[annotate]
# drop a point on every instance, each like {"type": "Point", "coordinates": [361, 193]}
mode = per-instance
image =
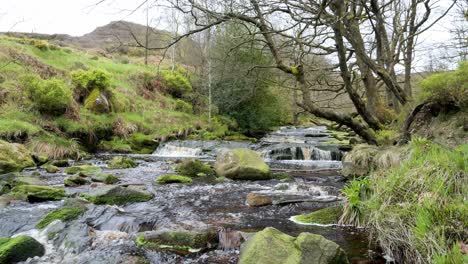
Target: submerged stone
{"type": "Point", "coordinates": [60, 163]}
{"type": "Point", "coordinates": [242, 164]}
{"type": "Point", "coordinates": [193, 168]}
{"type": "Point", "coordinates": [14, 157]}
{"type": "Point", "coordinates": [326, 216]}
{"type": "Point", "coordinates": [83, 170]}
{"type": "Point", "coordinates": [117, 195]}
{"type": "Point", "coordinates": [272, 246]}
{"type": "Point", "coordinates": [105, 178]}
{"type": "Point", "coordinates": [257, 200]}
{"type": "Point", "coordinates": [13, 250]}
{"type": "Point", "coordinates": [120, 162]}
{"type": "Point", "coordinates": [34, 193]}
{"type": "Point", "coordinates": [165, 179]}
{"type": "Point", "coordinates": [74, 181]}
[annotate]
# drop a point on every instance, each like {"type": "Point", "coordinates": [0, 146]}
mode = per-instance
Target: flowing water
{"type": "Point", "coordinates": [106, 234]}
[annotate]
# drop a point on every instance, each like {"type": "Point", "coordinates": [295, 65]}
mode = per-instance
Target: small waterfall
{"type": "Point", "coordinates": [300, 153]}
{"type": "Point", "coordinates": [168, 150]}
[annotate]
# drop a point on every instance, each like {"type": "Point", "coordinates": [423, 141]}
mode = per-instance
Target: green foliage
{"type": "Point", "coordinates": [356, 192]}
{"type": "Point", "coordinates": [176, 84]}
{"type": "Point", "coordinates": [86, 81]}
{"type": "Point", "coordinates": [448, 86]}
{"type": "Point", "coordinates": [40, 44]}
{"type": "Point", "coordinates": [12, 129]}
{"type": "Point", "coordinates": [51, 96]}
{"type": "Point", "coordinates": [165, 179]}
{"type": "Point", "coordinates": [116, 144]}
{"type": "Point", "coordinates": [386, 137]}
{"type": "Point", "coordinates": [63, 214]}
{"type": "Point", "coordinates": [193, 167]}
{"type": "Point", "coordinates": [183, 106]}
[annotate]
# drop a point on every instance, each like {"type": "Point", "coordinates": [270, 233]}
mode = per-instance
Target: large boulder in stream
{"type": "Point", "coordinates": [14, 157]}
{"type": "Point", "coordinates": [35, 193]}
{"type": "Point", "coordinates": [117, 195]}
{"type": "Point", "coordinates": [242, 164]}
{"type": "Point", "coordinates": [271, 246]}
{"type": "Point", "coordinates": [13, 250]}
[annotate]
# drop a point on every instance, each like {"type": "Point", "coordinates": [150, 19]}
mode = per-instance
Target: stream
{"type": "Point", "coordinates": [106, 234]}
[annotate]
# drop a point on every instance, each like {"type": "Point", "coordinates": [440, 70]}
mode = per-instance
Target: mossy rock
{"type": "Point", "coordinates": [360, 161]}
{"type": "Point", "coordinates": [193, 167]}
{"type": "Point", "coordinates": [25, 180]}
{"type": "Point", "coordinates": [283, 177]}
{"type": "Point", "coordinates": [272, 246]}
{"type": "Point", "coordinates": [34, 193]}
{"type": "Point", "coordinates": [242, 164]}
{"type": "Point", "coordinates": [62, 214]}
{"type": "Point", "coordinates": [97, 102]}
{"type": "Point", "coordinates": [83, 170]}
{"type": "Point", "coordinates": [13, 250]}
{"type": "Point", "coordinates": [60, 163]}
{"type": "Point", "coordinates": [326, 216]}
{"type": "Point", "coordinates": [179, 241]}
{"type": "Point", "coordinates": [51, 168]}
{"type": "Point", "coordinates": [165, 179]}
{"type": "Point", "coordinates": [105, 178]}
{"type": "Point", "coordinates": [117, 195]}
{"type": "Point", "coordinates": [74, 181]}
{"type": "Point", "coordinates": [257, 200]}
{"type": "Point", "coordinates": [120, 162]}
{"type": "Point", "coordinates": [14, 157]}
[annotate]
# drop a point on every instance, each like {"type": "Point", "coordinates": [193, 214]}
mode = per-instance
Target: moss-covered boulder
{"type": "Point", "coordinates": [242, 164]}
{"type": "Point", "coordinates": [34, 193]}
{"type": "Point", "coordinates": [14, 157]}
{"type": "Point", "coordinates": [120, 162]}
{"type": "Point", "coordinates": [74, 181]}
{"type": "Point", "coordinates": [272, 246]}
{"type": "Point", "coordinates": [83, 170]}
{"type": "Point", "coordinates": [60, 163]}
{"type": "Point", "coordinates": [98, 102]}
{"type": "Point", "coordinates": [326, 216]}
{"type": "Point", "coordinates": [193, 168]}
{"type": "Point", "coordinates": [25, 180]}
{"type": "Point", "coordinates": [63, 214]}
{"type": "Point", "coordinates": [166, 179]}
{"type": "Point", "coordinates": [51, 168]}
{"type": "Point", "coordinates": [117, 195]}
{"type": "Point", "coordinates": [359, 161]}
{"type": "Point", "coordinates": [105, 178]}
{"type": "Point", "coordinates": [180, 241]}
{"type": "Point", "coordinates": [13, 250]}
{"type": "Point", "coordinates": [256, 200]}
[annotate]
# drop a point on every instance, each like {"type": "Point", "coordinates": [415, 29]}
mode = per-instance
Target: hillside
{"type": "Point", "coordinates": [64, 102]}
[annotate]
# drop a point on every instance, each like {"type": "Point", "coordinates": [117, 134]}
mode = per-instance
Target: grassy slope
{"type": "Point", "coordinates": [139, 119]}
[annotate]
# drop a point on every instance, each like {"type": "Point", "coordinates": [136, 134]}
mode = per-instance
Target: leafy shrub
{"type": "Point", "coordinates": [42, 45]}
{"type": "Point", "coordinates": [448, 86]}
{"type": "Point", "coordinates": [183, 106]}
{"type": "Point", "coordinates": [386, 137]}
{"type": "Point", "coordinates": [12, 129]}
{"type": "Point", "coordinates": [176, 84]}
{"type": "Point", "coordinates": [86, 81]}
{"type": "Point", "coordinates": [51, 96]}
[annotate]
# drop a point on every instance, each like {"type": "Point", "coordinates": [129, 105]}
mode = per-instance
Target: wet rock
{"type": "Point", "coordinates": [120, 162]}
{"type": "Point", "coordinates": [283, 177]}
{"type": "Point", "coordinates": [166, 179]}
{"type": "Point", "coordinates": [60, 163]}
{"type": "Point", "coordinates": [63, 214]}
{"type": "Point", "coordinates": [19, 249]}
{"type": "Point", "coordinates": [24, 180]}
{"type": "Point", "coordinates": [256, 200]}
{"type": "Point", "coordinates": [14, 157]}
{"type": "Point", "coordinates": [83, 170]}
{"type": "Point", "coordinates": [51, 168]}
{"type": "Point", "coordinates": [242, 164]}
{"type": "Point", "coordinates": [193, 167]}
{"type": "Point", "coordinates": [105, 178]}
{"type": "Point", "coordinates": [273, 246]}
{"type": "Point", "coordinates": [97, 101]}
{"type": "Point", "coordinates": [74, 181]}
{"type": "Point", "coordinates": [4, 201]}
{"type": "Point", "coordinates": [34, 193]}
{"type": "Point", "coordinates": [117, 195]}
{"type": "Point", "coordinates": [326, 216]}
{"type": "Point", "coordinates": [179, 241]}
{"type": "Point", "coordinates": [40, 159]}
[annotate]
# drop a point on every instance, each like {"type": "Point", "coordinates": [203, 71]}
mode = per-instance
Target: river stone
{"type": "Point", "coordinates": [51, 168]}
{"type": "Point", "coordinates": [97, 101]}
{"type": "Point", "coordinates": [105, 178]}
{"type": "Point", "coordinates": [272, 246]}
{"type": "Point", "coordinates": [120, 162]}
{"type": "Point", "coordinates": [14, 157]}
{"type": "Point", "coordinates": [242, 164]}
{"type": "Point", "coordinates": [193, 168]}
{"type": "Point", "coordinates": [24, 180]}
{"type": "Point", "coordinates": [256, 200]}
{"type": "Point", "coordinates": [74, 181]}
{"type": "Point", "coordinates": [326, 216]}
{"type": "Point", "coordinates": [34, 193]}
{"type": "Point", "coordinates": [117, 195]}
{"type": "Point", "coordinates": [83, 170]}
{"type": "Point", "coordinates": [19, 249]}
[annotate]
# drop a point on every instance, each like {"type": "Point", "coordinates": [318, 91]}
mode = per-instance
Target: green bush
{"type": "Point", "coordinates": [176, 84]}
{"type": "Point", "coordinates": [448, 86]}
{"type": "Point", "coordinates": [42, 45]}
{"type": "Point", "coordinates": [86, 81]}
{"type": "Point", "coordinates": [183, 106]}
{"type": "Point", "coordinates": [51, 96]}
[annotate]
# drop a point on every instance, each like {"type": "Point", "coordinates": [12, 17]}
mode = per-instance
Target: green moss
{"type": "Point", "coordinates": [74, 180]}
{"type": "Point", "coordinates": [14, 157]}
{"type": "Point", "coordinates": [35, 193]}
{"type": "Point", "coordinates": [242, 164]}
{"type": "Point", "coordinates": [51, 168]}
{"type": "Point", "coordinates": [193, 167]}
{"type": "Point", "coordinates": [165, 179]}
{"type": "Point", "coordinates": [19, 249]}
{"type": "Point", "coordinates": [105, 178]}
{"type": "Point", "coordinates": [120, 162]}
{"type": "Point", "coordinates": [63, 214]}
{"type": "Point", "coordinates": [176, 83]}
{"type": "Point", "coordinates": [283, 177]}
{"type": "Point", "coordinates": [17, 129]}
{"type": "Point", "coordinates": [116, 145]}
{"type": "Point", "coordinates": [116, 195]}
{"type": "Point", "coordinates": [83, 170]}
{"type": "Point", "coordinates": [325, 216]}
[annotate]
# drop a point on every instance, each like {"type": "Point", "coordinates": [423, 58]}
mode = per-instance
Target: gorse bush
{"type": "Point", "coordinates": [176, 84]}
{"type": "Point", "coordinates": [183, 106]}
{"type": "Point", "coordinates": [448, 86]}
{"type": "Point", "coordinates": [51, 96]}
{"type": "Point", "coordinates": [86, 81]}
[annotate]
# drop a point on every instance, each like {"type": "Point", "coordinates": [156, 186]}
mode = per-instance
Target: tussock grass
{"type": "Point", "coordinates": [55, 147]}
